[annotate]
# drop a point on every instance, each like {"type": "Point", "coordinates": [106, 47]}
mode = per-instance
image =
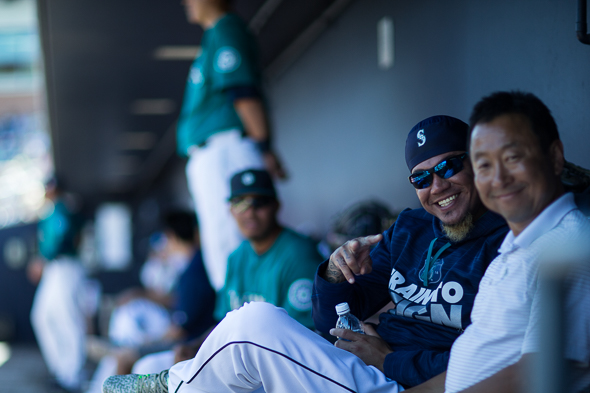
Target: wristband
{"type": "Point", "coordinates": [263, 146]}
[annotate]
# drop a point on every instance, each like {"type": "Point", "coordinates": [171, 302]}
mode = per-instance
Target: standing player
{"type": "Point", "coordinates": [58, 314]}
{"type": "Point", "coordinates": [223, 126]}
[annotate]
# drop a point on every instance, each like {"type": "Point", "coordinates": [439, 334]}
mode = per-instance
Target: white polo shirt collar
{"type": "Point", "coordinates": [543, 223]}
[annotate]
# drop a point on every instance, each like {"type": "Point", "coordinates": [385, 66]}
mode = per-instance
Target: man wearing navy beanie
{"type": "Point", "coordinates": [424, 271]}
{"type": "Point", "coordinates": [442, 175]}
{"type": "Point", "coordinates": [433, 136]}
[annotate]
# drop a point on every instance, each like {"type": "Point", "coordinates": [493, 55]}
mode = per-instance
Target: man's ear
{"type": "Point", "coordinates": [556, 156]}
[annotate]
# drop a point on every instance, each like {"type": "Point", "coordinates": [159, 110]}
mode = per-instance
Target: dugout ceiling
{"type": "Point", "coordinates": [115, 74]}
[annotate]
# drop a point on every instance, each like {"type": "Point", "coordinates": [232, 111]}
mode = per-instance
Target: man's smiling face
{"type": "Point", "coordinates": [450, 200]}
{"type": "Point", "coordinates": [513, 175]}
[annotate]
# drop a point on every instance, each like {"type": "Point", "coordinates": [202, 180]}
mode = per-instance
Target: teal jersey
{"type": "Point", "coordinates": [228, 59]}
{"type": "Point", "coordinates": [56, 233]}
{"type": "Point", "coordinates": [283, 276]}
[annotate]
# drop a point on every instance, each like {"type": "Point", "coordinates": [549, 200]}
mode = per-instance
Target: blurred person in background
{"type": "Point", "coordinates": [61, 307]}
{"type": "Point", "coordinates": [223, 126]}
{"type": "Point", "coordinates": [166, 280]}
{"type": "Point", "coordinates": [157, 317]}
{"type": "Point", "coordinates": [274, 264]}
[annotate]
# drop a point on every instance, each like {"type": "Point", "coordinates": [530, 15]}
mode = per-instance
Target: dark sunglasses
{"type": "Point", "coordinates": [241, 204]}
{"type": "Point", "coordinates": [444, 169]}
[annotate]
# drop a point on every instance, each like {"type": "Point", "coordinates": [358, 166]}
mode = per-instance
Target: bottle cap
{"type": "Point", "coordinates": [342, 308]}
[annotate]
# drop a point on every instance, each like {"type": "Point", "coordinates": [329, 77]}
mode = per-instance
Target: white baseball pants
{"type": "Point", "coordinates": [154, 363]}
{"type": "Point", "coordinates": [209, 171]}
{"type": "Point", "coordinates": [59, 321]}
{"type": "Point", "coordinates": [260, 348]}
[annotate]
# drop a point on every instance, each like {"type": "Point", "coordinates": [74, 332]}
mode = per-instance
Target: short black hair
{"type": "Point", "coordinates": [182, 223]}
{"type": "Point", "coordinates": [55, 182]}
{"type": "Point", "coordinates": [516, 102]}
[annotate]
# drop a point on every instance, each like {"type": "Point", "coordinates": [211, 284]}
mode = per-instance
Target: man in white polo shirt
{"type": "Point", "coordinates": [517, 159]}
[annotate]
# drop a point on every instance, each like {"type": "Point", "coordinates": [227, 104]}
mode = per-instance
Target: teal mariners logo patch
{"type": "Point", "coordinates": [196, 76]}
{"type": "Point", "coordinates": [435, 272]}
{"type": "Point", "coordinates": [227, 59]}
{"type": "Point", "coordinates": [300, 294]}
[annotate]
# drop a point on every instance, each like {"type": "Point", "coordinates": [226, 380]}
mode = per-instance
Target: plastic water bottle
{"type": "Point", "coordinates": [346, 320]}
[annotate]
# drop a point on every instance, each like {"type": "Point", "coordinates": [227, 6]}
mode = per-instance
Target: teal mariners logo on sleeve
{"type": "Point", "coordinates": [227, 59]}
{"type": "Point", "coordinates": [300, 294]}
{"type": "Point", "coordinates": [196, 76]}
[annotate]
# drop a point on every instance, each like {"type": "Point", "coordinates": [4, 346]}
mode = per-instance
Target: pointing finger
{"type": "Point", "coordinates": [351, 260]}
{"type": "Point", "coordinates": [344, 268]}
{"type": "Point", "coordinates": [371, 240]}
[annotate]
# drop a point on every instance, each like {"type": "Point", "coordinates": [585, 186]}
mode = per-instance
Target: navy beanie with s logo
{"type": "Point", "coordinates": [433, 136]}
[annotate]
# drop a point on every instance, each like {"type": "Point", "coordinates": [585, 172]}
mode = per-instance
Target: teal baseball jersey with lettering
{"type": "Point", "coordinates": [228, 59]}
{"type": "Point", "coordinates": [283, 276]}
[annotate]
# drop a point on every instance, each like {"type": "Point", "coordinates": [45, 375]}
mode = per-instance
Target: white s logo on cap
{"type": "Point", "coordinates": [421, 138]}
{"type": "Point", "coordinates": [248, 179]}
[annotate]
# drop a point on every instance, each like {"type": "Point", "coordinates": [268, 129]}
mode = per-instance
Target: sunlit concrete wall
{"type": "Point", "coordinates": [340, 122]}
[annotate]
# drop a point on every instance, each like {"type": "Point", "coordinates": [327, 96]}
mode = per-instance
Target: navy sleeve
{"type": "Point", "coordinates": [196, 299]}
{"type": "Point", "coordinates": [365, 297]}
{"type": "Point", "coordinates": [411, 368]}
{"type": "Point", "coordinates": [324, 298]}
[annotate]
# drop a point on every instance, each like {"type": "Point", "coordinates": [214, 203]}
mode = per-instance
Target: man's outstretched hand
{"type": "Point", "coordinates": [369, 347]}
{"type": "Point", "coordinates": [350, 259]}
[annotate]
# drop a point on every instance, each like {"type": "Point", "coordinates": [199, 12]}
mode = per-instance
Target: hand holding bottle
{"type": "Point", "coordinates": [368, 346]}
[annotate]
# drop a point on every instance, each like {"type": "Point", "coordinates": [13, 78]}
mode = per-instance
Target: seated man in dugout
{"type": "Point", "coordinates": [517, 158]}
{"type": "Point", "coordinates": [274, 264]}
{"type": "Point", "coordinates": [429, 264]}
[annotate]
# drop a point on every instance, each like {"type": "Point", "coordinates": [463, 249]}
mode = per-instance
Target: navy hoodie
{"type": "Point", "coordinates": [426, 319]}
